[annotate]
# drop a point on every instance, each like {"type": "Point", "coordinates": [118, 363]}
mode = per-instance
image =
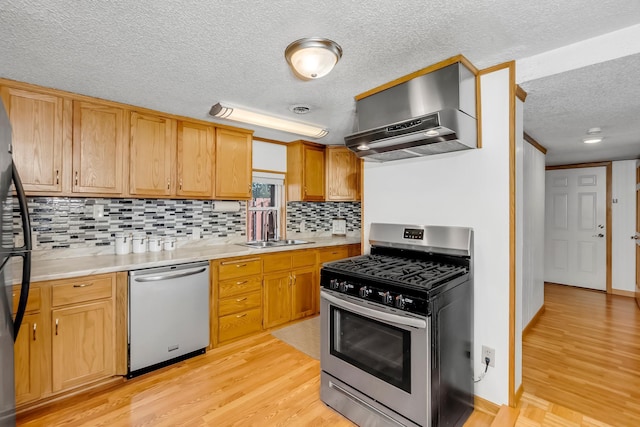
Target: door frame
{"type": "Point", "coordinates": [608, 166]}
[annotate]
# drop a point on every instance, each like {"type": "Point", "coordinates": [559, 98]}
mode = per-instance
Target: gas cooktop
{"type": "Point", "coordinates": [399, 270]}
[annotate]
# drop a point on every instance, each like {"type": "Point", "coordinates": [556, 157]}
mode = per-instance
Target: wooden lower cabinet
{"type": "Point", "coordinates": [236, 299]}
{"type": "Point", "coordinates": [82, 344]}
{"type": "Point", "coordinates": [277, 299]}
{"type": "Point", "coordinates": [303, 293]}
{"type": "Point", "coordinates": [290, 290]}
{"type": "Point", "coordinates": [67, 337]}
{"type": "Point", "coordinates": [29, 350]}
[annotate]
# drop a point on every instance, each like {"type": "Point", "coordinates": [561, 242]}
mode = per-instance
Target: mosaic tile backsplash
{"type": "Point", "coordinates": [62, 222]}
{"type": "Point", "coordinates": [318, 216]}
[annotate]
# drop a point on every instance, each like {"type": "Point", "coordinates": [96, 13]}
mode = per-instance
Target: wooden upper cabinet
{"type": "Point", "coordinates": [233, 164]}
{"type": "Point", "coordinates": [342, 174]}
{"type": "Point", "coordinates": [195, 160]}
{"type": "Point", "coordinates": [98, 148]}
{"type": "Point", "coordinates": [305, 171]}
{"type": "Point", "coordinates": [38, 137]}
{"type": "Point", "coordinates": [152, 155]}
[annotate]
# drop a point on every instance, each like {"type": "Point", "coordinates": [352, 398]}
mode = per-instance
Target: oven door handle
{"type": "Point", "coordinates": [376, 314]}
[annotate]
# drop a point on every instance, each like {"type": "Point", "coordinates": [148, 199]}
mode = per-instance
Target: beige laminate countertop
{"type": "Point", "coordinates": [46, 266]}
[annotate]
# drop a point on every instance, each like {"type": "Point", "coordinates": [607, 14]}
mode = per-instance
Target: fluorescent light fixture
{"type": "Point", "coordinates": [259, 119]}
{"type": "Point", "coordinates": [312, 58]}
{"type": "Point", "coordinates": [592, 140]}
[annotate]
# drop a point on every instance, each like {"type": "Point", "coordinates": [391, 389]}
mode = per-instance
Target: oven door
{"type": "Point", "coordinates": [381, 352]}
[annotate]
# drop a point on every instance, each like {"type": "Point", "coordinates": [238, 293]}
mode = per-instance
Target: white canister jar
{"type": "Point", "coordinates": [155, 244]}
{"type": "Point", "coordinates": [139, 243]}
{"type": "Point", "coordinates": [123, 243]}
{"type": "Point", "coordinates": [169, 243]}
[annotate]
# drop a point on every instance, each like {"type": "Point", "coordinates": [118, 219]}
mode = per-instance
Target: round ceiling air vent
{"type": "Point", "coordinates": [300, 108]}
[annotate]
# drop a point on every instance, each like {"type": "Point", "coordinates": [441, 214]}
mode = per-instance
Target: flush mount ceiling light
{"type": "Point", "coordinates": [259, 119]}
{"type": "Point", "coordinates": [592, 140]}
{"type": "Point", "coordinates": [312, 58]}
{"type": "Point", "coordinates": [594, 136]}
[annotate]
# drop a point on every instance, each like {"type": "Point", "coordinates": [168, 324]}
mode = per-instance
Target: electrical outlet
{"type": "Point", "coordinates": [303, 226]}
{"type": "Point", "coordinates": [490, 353]}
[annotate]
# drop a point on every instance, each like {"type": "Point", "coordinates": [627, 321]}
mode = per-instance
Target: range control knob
{"type": "Point", "coordinates": [364, 292]}
{"type": "Point", "coordinates": [334, 284]}
{"type": "Point", "coordinates": [400, 302]}
{"type": "Point", "coordinates": [387, 298]}
{"type": "Point", "coordinates": [343, 286]}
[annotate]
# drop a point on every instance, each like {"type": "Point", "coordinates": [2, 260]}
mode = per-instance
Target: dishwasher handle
{"type": "Point", "coordinates": [169, 276]}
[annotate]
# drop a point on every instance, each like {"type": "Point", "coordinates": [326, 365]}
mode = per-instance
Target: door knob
{"type": "Point", "coordinates": [598, 235]}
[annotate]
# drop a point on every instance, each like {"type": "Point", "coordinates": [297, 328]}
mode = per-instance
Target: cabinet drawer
{"type": "Point", "coordinates": [33, 302]}
{"type": "Point", "coordinates": [240, 324]}
{"type": "Point", "coordinates": [243, 285]}
{"type": "Point", "coordinates": [304, 259]}
{"type": "Point", "coordinates": [239, 268]}
{"type": "Point", "coordinates": [82, 290]}
{"type": "Point", "coordinates": [239, 303]}
{"type": "Point", "coordinates": [332, 254]}
{"type": "Point", "coordinates": [276, 262]}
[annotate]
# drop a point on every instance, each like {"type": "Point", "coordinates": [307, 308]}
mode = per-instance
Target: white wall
{"type": "Point", "coordinates": [623, 211]}
{"type": "Point", "coordinates": [469, 188]}
{"type": "Point", "coordinates": [268, 156]}
{"type": "Point", "coordinates": [533, 233]}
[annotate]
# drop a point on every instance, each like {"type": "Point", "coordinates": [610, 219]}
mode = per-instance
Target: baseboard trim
{"type": "Point", "coordinates": [506, 417]}
{"type": "Point", "coordinates": [483, 405]}
{"type": "Point", "coordinates": [623, 293]}
{"type": "Point", "coordinates": [532, 323]}
{"type": "Point", "coordinates": [519, 394]}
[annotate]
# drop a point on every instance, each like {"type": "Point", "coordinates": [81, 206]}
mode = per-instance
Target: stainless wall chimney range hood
{"type": "Point", "coordinates": [430, 114]}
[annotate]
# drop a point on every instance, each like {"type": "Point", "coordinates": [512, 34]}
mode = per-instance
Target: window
{"type": "Point", "coordinates": [265, 212]}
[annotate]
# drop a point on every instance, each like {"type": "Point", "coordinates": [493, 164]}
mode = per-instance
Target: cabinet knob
{"type": "Point", "coordinates": [56, 326]}
{"type": "Point", "coordinates": [168, 184]}
{"type": "Point", "coordinates": [57, 177]}
{"type": "Point", "coordinates": [76, 178]}
{"type": "Point", "coordinates": [180, 183]}
{"type": "Point", "coordinates": [34, 331]}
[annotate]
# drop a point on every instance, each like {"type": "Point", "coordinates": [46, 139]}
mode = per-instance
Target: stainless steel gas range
{"type": "Point", "coordinates": [397, 328]}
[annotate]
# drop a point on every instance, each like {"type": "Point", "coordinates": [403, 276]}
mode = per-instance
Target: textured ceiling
{"type": "Point", "coordinates": [560, 109]}
{"type": "Point", "coordinates": [182, 57]}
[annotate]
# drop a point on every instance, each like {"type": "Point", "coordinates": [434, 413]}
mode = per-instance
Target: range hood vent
{"type": "Point", "coordinates": [430, 114]}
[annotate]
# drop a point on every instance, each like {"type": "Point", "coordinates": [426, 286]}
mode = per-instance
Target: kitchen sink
{"type": "Point", "coordinates": [274, 243]}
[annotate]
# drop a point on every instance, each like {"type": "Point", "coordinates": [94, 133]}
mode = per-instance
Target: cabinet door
{"type": "Point", "coordinates": [313, 188]}
{"type": "Point", "coordinates": [342, 174]}
{"type": "Point", "coordinates": [152, 154]}
{"type": "Point", "coordinates": [195, 160]}
{"type": "Point", "coordinates": [98, 144]}
{"type": "Point", "coordinates": [37, 125]}
{"type": "Point", "coordinates": [233, 164]}
{"type": "Point", "coordinates": [83, 344]}
{"type": "Point", "coordinates": [277, 299]}
{"type": "Point", "coordinates": [29, 355]}
{"type": "Point", "coordinates": [303, 293]}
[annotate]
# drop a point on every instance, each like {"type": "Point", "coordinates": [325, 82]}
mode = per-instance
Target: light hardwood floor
{"type": "Point", "coordinates": [584, 354]}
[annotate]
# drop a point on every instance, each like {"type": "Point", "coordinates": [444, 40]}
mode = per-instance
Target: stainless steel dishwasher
{"type": "Point", "coordinates": [168, 315]}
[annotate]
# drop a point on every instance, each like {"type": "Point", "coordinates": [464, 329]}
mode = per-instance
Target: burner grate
{"type": "Point", "coordinates": [402, 270]}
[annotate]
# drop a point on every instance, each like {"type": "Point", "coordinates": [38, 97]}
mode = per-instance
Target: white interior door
{"type": "Point", "coordinates": [575, 227]}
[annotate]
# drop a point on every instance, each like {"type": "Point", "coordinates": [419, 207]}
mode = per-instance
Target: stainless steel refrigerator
{"type": "Point", "coordinates": [9, 326]}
